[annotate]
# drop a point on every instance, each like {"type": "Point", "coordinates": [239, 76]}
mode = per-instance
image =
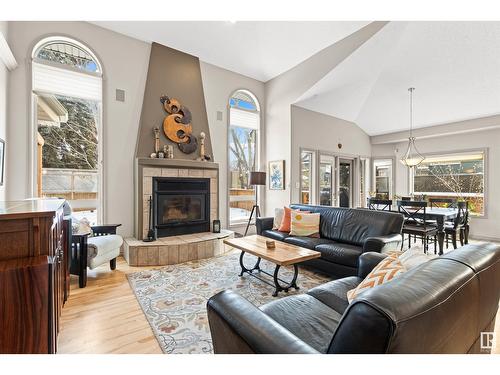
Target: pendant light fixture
{"type": "Point", "coordinates": [412, 157]}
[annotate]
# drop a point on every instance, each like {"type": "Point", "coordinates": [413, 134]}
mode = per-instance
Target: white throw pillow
{"type": "Point", "coordinates": [414, 257]}
{"type": "Point", "coordinates": [278, 217]}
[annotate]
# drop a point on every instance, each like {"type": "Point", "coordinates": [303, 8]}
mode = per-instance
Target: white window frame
{"type": "Point", "coordinates": [392, 183]}
{"type": "Point", "coordinates": [484, 151]}
{"type": "Point", "coordinates": [232, 223]}
{"type": "Point", "coordinates": [313, 180]}
{"type": "Point", "coordinates": [32, 177]}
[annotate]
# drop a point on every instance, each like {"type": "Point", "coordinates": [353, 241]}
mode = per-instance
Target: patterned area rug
{"type": "Point", "coordinates": [174, 298]}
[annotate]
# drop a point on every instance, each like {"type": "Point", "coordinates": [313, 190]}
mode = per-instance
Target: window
{"type": "Point", "coordinates": [243, 143]}
{"type": "Point", "coordinates": [382, 172]}
{"type": "Point", "coordinates": [458, 176]}
{"type": "Point", "coordinates": [66, 52]}
{"type": "Point", "coordinates": [67, 92]}
{"type": "Point", "coordinates": [307, 160]}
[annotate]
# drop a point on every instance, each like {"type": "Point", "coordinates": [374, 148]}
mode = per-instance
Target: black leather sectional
{"type": "Point", "coordinates": [345, 234]}
{"type": "Point", "coordinates": [441, 306]}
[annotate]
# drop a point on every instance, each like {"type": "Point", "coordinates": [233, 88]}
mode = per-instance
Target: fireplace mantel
{"type": "Point", "coordinates": [177, 163]}
{"type": "Point", "coordinates": [147, 168]}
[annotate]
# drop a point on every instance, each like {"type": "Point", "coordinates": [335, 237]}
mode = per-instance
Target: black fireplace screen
{"type": "Point", "coordinates": [175, 208]}
{"type": "Point", "coordinates": [181, 205]}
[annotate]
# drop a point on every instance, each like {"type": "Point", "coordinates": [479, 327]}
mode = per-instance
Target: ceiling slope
{"type": "Point", "coordinates": [257, 49]}
{"type": "Point", "coordinates": [454, 67]}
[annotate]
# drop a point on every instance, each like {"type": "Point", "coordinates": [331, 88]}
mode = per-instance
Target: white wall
{"type": "Point", "coordinates": [286, 89]}
{"type": "Point", "coordinates": [218, 85]}
{"type": "Point", "coordinates": [485, 228]}
{"type": "Point", "coordinates": [317, 131]}
{"type": "Point", "coordinates": [125, 63]}
{"type": "Point", "coordinates": [3, 103]}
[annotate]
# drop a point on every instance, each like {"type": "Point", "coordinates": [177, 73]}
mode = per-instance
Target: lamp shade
{"type": "Point", "coordinates": [257, 178]}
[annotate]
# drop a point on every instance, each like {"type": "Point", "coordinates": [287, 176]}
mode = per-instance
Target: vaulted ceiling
{"type": "Point", "coordinates": [454, 66]}
{"type": "Point", "coordinates": [261, 50]}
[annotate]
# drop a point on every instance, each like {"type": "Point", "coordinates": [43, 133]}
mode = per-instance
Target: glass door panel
{"type": "Point", "coordinates": [345, 182]}
{"type": "Point", "coordinates": [307, 177]}
{"type": "Point", "coordinates": [327, 180]}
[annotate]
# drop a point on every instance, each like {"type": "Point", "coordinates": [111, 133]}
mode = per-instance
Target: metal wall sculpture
{"type": "Point", "coordinates": [177, 125]}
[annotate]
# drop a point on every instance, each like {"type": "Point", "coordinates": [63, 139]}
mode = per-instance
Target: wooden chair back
{"type": "Point", "coordinates": [412, 211]}
{"type": "Point", "coordinates": [379, 204]}
{"type": "Point", "coordinates": [439, 202]}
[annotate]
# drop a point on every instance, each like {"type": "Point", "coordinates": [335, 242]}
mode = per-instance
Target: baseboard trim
{"type": "Point", "coordinates": [485, 238]}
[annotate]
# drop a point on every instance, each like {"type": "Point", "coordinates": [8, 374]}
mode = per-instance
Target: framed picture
{"type": "Point", "coordinates": [2, 160]}
{"type": "Point", "coordinates": [277, 175]}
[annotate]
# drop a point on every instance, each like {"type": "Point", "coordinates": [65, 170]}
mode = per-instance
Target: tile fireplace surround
{"type": "Point", "coordinates": [145, 170]}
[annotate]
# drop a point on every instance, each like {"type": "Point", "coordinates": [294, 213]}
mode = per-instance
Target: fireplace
{"type": "Point", "coordinates": [181, 205]}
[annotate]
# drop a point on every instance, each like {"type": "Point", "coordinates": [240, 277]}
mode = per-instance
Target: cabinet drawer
{"type": "Point", "coordinates": [15, 239]}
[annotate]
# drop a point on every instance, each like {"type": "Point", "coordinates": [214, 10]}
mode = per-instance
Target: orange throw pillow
{"type": "Point", "coordinates": [286, 222]}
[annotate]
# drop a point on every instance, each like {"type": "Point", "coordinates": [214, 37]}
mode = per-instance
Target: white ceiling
{"type": "Point", "coordinates": [261, 50]}
{"type": "Point", "coordinates": [454, 67]}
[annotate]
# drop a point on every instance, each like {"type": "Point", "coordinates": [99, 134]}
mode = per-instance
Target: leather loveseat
{"type": "Point", "coordinates": [441, 306]}
{"type": "Point", "coordinates": [345, 233]}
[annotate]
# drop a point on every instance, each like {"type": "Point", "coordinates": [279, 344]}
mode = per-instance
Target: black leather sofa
{"type": "Point", "coordinates": [345, 233]}
{"type": "Point", "coordinates": [441, 306]}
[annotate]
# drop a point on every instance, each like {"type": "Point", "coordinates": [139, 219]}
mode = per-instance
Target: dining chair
{"type": "Point", "coordinates": [416, 223]}
{"type": "Point", "coordinates": [466, 224]}
{"type": "Point", "coordinates": [457, 227]}
{"type": "Point", "coordinates": [440, 202]}
{"type": "Point", "coordinates": [379, 204]}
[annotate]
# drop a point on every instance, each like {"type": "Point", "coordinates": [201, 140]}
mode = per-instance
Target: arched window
{"type": "Point", "coordinates": [67, 92]}
{"type": "Point", "coordinates": [243, 144]}
{"type": "Point", "coordinates": [66, 52]}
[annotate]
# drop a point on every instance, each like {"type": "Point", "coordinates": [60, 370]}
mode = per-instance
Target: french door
{"type": "Point", "coordinates": [331, 181]}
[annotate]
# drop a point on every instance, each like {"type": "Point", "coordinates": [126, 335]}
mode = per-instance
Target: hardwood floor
{"type": "Point", "coordinates": [105, 317]}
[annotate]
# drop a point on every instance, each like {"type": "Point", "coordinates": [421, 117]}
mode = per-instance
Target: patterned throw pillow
{"type": "Point", "coordinates": [385, 271]}
{"type": "Point", "coordinates": [304, 224]}
{"type": "Point", "coordinates": [287, 219]}
{"type": "Point", "coordinates": [278, 217]}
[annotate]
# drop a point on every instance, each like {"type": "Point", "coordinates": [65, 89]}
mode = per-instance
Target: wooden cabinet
{"type": "Point", "coordinates": [34, 278]}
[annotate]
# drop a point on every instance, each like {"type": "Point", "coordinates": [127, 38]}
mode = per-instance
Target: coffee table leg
{"type": "Point", "coordinates": [244, 269]}
{"type": "Point", "coordinates": [293, 283]}
{"type": "Point", "coordinates": [277, 285]}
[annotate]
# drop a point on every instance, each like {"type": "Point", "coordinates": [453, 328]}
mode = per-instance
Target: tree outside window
{"type": "Point", "coordinates": [453, 176]}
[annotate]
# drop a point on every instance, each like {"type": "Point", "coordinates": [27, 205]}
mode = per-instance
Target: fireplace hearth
{"type": "Point", "coordinates": [181, 205]}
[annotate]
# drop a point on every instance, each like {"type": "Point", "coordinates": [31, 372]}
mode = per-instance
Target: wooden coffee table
{"type": "Point", "coordinates": [283, 255]}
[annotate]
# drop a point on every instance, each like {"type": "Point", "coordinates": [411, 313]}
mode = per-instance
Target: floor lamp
{"type": "Point", "coordinates": [256, 179]}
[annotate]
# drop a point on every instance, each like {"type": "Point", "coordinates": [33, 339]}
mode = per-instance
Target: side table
{"type": "Point", "coordinates": [79, 253]}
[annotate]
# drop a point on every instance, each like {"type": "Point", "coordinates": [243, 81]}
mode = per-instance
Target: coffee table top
{"type": "Point", "coordinates": [284, 254]}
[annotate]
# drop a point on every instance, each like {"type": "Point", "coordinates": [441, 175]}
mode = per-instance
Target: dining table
{"type": "Point", "coordinates": [440, 215]}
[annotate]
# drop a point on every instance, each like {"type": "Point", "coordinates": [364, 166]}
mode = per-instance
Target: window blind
{"type": "Point", "coordinates": [54, 80]}
{"type": "Point", "coordinates": [244, 119]}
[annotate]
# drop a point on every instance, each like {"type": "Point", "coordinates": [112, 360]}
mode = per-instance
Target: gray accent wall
{"type": "Point", "coordinates": [177, 75]}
